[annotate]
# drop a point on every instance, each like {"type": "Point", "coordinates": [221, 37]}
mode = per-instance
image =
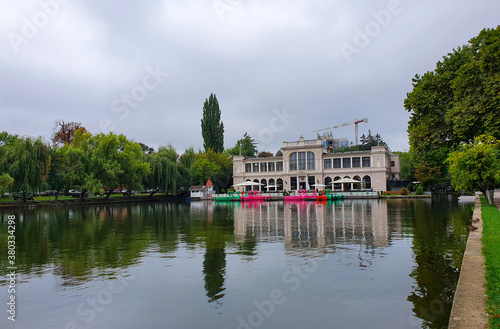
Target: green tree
{"type": "Point", "coordinates": [5, 182]}
{"type": "Point", "coordinates": [212, 128]}
{"type": "Point", "coordinates": [215, 166]}
{"type": "Point", "coordinates": [477, 166]}
{"type": "Point", "coordinates": [248, 147]}
{"type": "Point", "coordinates": [164, 175]}
{"type": "Point", "coordinates": [7, 139]}
{"type": "Point", "coordinates": [103, 160]}
{"type": "Point", "coordinates": [456, 102]}
{"type": "Point", "coordinates": [407, 164]}
{"type": "Point", "coordinates": [186, 161]}
{"type": "Point", "coordinates": [27, 161]}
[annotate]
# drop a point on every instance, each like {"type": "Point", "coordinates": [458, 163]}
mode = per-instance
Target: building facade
{"type": "Point", "coordinates": [307, 163]}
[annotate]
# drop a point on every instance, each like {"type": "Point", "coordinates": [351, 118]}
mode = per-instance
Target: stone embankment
{"type": "Point", "coordinates": [469, 304]}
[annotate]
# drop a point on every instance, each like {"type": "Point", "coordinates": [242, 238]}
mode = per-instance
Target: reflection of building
{"type": "Point", "coordinates": [309, 224]}
{"type": "Point", "coordinates": [308, 162]}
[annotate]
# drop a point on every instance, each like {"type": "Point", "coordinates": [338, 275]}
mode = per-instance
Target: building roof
{"type": "Point", "coordinates": [209, 183]}
{"type": "Point", "coordinates": [196, 188]}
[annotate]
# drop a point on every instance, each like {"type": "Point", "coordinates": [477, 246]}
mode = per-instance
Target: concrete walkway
{"type": "Point", "coordinates": [469, 303]}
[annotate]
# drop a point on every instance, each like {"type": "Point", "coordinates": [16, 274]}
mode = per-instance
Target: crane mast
{"type": "Point", "coordinates": [354, 122]}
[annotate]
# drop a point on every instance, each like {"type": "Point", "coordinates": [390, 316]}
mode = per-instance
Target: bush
{"type": "Point", "coordinates": [404, 191]}
{"type": "Point", "coordinates": [223, 191]}
{"type": "Point", "coordinates": [420, 190]}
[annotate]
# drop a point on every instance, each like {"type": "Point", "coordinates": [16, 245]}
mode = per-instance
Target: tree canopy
{"type": "Point", "coordinates": [212, 128]}
{"type": "Point", "coordinates": [215, 166]}
{"type": "Point", "coordinates": [26, 161]}
{"type": "Point", "coordinates": [455, 103]}
{"type": "Point", "coordinates": [477, 166]}
{"type": "Point", "coordinates": [248, 147]}
{"type": "Point", "coordinates": [64, 132]}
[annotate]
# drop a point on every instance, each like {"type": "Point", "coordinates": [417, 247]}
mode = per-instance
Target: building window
{"type": "Point", "coordinates": [346, 162]}
{"type": "Point", "coordinates": [279, 166]}
{"type": "Point", "coordinates": [327, 164]}
{"type": "Point", "coordinates": [263, 166]}
{"type": "Point", "coordinates": [366, 162]}
{"type": "Point", "coordinates": [255, 167]}
{"type": "Point", "coordinates": [279, 184]}
{"type": "Point", "coordinates": [293, 183]}
{"type": "Point", "coordinates": [337, 163]}
{"type": "Point", "coordinates": [310, 161]}
{"type": "Point", "coordinates": [356, 162]}
{"type": "Point", "coordinates": [293, 161]}
{"type": "Point", "coordinates": [270, 166]}
{"type": "Point", "coordinates": [311, 180]}
{"type": "Point", "coordinates": [302, 160]}
{"type": "Point", "coordinates": [367, 182]}
{"type": "Point", "coordinates": [392, 164]}
{"type": "Point", "coordinates": [248, 167]}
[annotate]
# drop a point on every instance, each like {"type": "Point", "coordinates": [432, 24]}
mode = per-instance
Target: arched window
{"type": "Point", "coordinates": [367, 182]}
{"type": "Point", "coordinates": [263, 186]}
{"type": "Point", "coordinates": [337, 186]}
{"type": "Point", "coordinates": [279, 184]}
{"type": "Point", "coordinates": [256, 186]}
{"type": "Point", "coordinates": [272, 183]}
{"type": "Point", "coordinates": [328, 182]}
{"type": "Point", "coordinates": [357, 186]}
{"type": "Point", "coordinates": [293, 161]}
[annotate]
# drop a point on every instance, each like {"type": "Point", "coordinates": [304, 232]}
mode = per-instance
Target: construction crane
{"type": "Point", "coordinates": [355, 123]}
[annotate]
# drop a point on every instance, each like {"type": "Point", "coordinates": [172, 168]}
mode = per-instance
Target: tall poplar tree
{"type": "Point", "coordinates": [212, 128]}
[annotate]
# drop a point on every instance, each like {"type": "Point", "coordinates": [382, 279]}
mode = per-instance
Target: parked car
{"type": "Point", "coordinates": [48, 193]}
{"type": "Point", "coordinates": [74, 193]}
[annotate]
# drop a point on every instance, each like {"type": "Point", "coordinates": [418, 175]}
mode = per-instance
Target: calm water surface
{"type": "Point", "coordinates": [348, 264]}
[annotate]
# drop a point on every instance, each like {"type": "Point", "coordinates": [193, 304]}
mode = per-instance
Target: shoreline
{"type": "Point", "coordinates": [90, 202]}
{"type": "Point", "coordinates": [162, 198]}
{"type": "Point", "coordinates": [469, 302]}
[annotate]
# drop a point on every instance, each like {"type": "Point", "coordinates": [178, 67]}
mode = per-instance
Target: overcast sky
{"type": "Point", "coordinates": [279, 68]}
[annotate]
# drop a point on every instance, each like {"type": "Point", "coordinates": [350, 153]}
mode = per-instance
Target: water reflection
{"type": "Point", "coordinates": [79, 246]}
{"type": "Point", "coordinates": [361, 224]}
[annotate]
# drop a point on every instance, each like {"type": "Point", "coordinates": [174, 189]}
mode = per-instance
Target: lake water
{"type": "Point", "coordinates": [345, 264]}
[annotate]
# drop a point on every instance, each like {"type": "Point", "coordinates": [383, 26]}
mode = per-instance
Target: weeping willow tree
{"type": "Point", "coordinates": [164, 175]}
{"type": "Point", "coordinates": [27, 161]}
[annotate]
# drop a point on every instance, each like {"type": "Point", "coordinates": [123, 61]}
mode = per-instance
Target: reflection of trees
{"type": "Point", "coordinates": [214, 265]}
{"type": "Point", "coordinates": [437, 270]}
{"type": "Point", "coordinates": [75, 241]}
{"type": "Point", "coordinates": [216, 230]}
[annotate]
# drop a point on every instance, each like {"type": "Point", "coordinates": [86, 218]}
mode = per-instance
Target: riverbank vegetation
{"type": "Point", "coordinates": [451, 106]}
{"type": "Point", "coordinates": [491, 250]}
{"type": "Point", "coordinates": [78, 162]}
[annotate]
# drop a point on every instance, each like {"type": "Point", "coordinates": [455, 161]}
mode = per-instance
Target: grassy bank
{"type": "Point", "coordinates": [491, 250]}
{"type": "Point", "coordinates": [69, 201]}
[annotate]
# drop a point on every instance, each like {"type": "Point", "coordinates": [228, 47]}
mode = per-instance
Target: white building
{"type": "Point", "coordinates": [202, 191]}
{"type": "Point", "coordinates": [307, 162]}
